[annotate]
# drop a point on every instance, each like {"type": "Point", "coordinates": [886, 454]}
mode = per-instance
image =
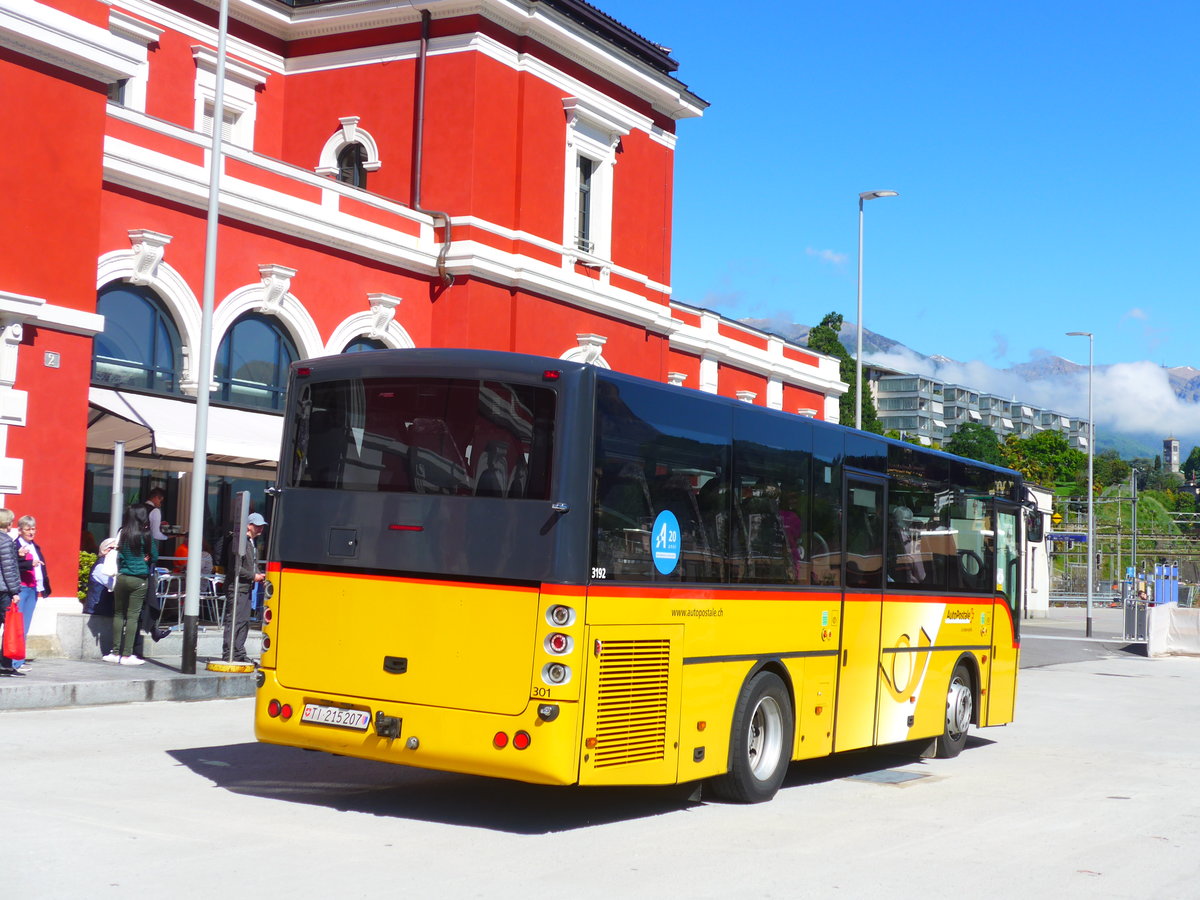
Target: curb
{"type": "Point", "coordinates": [64, 693]}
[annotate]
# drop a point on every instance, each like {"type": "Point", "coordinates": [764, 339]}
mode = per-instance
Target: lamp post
{"type": "Point", "coordinates": [199, 494]}
{"type": "Point", "coordinates": [1091, 476]}
{"type": "Point", "coordinates": [862, 198]}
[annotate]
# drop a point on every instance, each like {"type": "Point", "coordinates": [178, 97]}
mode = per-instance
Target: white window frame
{"type": "Point", "coordinates": [349, 133]}
{"type": "Point", "coordinates": [241, 84]}
{"type": "Point", "coordinates": [593, 133]}
{"type": "Point", "coordinates": [138, 35]}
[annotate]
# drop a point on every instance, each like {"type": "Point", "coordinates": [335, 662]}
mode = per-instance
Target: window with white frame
{"type": "Point", "coordinates": [241, 84]}
{"type": "Point", "coordinates": [593, 137]}
{"type": "Point", "coordinates": [349, 154]}
{"type": "Point", "coordinates": [131, 92]}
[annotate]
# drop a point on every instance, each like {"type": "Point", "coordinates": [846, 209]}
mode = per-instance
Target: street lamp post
{"type": "Point", "coordinates": [1091, 474]}
{"type": "Point", "coordinates": [862, 198]}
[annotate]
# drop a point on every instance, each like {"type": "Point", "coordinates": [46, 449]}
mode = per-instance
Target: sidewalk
{"type": "Point", "coordinates": [1070, 622]}
{"type": "Point", "coordinates": [90, 682]}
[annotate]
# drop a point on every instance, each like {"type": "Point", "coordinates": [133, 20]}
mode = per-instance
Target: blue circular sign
{"type": "Point", "coordinates": [664, 542]}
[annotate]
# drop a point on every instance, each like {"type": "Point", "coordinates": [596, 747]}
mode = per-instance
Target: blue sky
{"type": "Point", "coordinates": [1044, 154]}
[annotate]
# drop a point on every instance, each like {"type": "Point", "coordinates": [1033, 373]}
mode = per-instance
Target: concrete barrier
{"type": "Point", "coordinates": [1171, 631]}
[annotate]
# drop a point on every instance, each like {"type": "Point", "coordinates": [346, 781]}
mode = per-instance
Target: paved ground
{"type": "Point", "coordinates": [1090, 794]}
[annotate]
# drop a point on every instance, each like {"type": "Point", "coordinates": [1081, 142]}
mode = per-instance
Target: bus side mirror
{"type": "Point", "coordinates": [1035, 526]}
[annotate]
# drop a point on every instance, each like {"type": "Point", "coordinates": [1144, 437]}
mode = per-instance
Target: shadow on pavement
{"type": "Point", "coordinates": [382, 789]}
{"type": "Point", "coordinates": [876, 764]}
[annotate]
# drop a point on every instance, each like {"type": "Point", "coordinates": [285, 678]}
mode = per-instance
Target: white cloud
{"type": "Point", "coordinates": [1127, 398]}
{"type": "Point", "coordinates": [1137, 313]}
{"type": "Point", "coordinates": [829, 256]}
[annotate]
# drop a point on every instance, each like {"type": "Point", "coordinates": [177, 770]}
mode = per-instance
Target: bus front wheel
{"type": "Point", "coordinates": [760, 745]}
{"type": "Point", "coordinates": [960, 706]}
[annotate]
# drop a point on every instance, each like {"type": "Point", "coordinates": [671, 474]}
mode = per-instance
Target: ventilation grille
{"type": "Point", "coordinates": [631, 714]}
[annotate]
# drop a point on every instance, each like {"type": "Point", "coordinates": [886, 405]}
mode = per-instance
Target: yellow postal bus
{"type": "Point", "coordinates": [528, 568]}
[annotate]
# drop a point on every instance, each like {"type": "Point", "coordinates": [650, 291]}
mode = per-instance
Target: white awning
{"type": "Point", "coordinates": [1007, 423]}
{"type": "Point", "coordinates": [974, 414]}
{"type": "Point", "coordinates": [166, 426]}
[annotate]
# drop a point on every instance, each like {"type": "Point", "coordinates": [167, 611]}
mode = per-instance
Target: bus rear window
{"type": "Point", "coordinates": [424, 435]}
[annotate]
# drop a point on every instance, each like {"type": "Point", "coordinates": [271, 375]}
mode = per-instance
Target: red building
{"type": "Point", "coordinates": [482, 173]}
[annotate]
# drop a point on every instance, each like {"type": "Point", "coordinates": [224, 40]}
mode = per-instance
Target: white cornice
{"type": "Point", "coordinates": [599, 103]}
{"type": "Point", "coordinates": [36, 311]}
{"type": "Point", "coordinates": [127, 26]}
{"type": "Point", "coordinates": [703, 341]}
{"type": "Point", "coordinates": [63, 40]}
{"type": "Point", "coordinates": [250, 76]}
{"type": "Point", "coordinates": [523, 19]}
{"type": "Point", "coordinates": [193, 30]}
{"type": "Point", "coordinates": [526, 237]}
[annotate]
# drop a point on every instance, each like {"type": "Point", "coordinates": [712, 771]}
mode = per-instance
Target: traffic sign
{"type": "Point", "coordinates": [1067, 537]}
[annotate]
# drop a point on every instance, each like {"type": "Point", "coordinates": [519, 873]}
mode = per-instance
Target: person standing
{"type": "Point", "coordinates": [35, 582]}
{"type": "Point", "coordinates": [137, 555]}
{"type": "Point", "coordinates": [153, 504]}
{"type": "Point", "coordinates": [10, 583]}
{"type": "Point", "coordinates": [241, 573]}
{"type": "Point", "coordinates": [152, 606]}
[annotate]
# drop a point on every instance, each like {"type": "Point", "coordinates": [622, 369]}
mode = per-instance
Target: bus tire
{"type": "Point", "coordinates": [760, 745]}
{"type": "Point", "coordinates": [960, 708]}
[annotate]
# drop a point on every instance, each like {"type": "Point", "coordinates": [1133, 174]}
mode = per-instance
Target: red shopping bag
{"type": "Point", "coordinates": [14, 633]}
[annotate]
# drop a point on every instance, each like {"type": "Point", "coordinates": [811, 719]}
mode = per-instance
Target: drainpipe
{"type": "Point", "coordinates": [418, 155]}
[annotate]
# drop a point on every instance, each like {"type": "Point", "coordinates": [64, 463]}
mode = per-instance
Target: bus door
{"type": "Point", "coordinates": [1006, 620]}
{"type": "Point", "coordinates": [863, 508]}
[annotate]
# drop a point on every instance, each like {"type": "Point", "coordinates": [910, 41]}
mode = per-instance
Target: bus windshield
{"type": "Point", "coordinates": [424, 435]}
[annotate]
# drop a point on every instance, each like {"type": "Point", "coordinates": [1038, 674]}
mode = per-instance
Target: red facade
{"type": "Point", "coordinates": [547, 139]}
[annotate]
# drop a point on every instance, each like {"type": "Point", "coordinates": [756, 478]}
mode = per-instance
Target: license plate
{"type": "Point", "coordinates": [358, 719]}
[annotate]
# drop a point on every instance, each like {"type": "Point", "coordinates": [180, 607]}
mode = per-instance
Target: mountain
{"type": "Point", "coordinates": [1049, 382]}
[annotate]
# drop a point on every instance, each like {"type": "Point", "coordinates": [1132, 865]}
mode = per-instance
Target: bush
{"type": "Point", "coordinates": [86, 561]}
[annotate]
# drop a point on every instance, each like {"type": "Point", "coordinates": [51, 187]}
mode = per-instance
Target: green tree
{"type": "Point", "coordinates": [976, 441]}
{"type": "Point", "coordinates": [1110, 469]}
{"type": "Point", "coordinates": [824, 338]}
{"type": "Point", "coordinates": [1046, 458]}
{"type": "Point", "coordinates": [1192, 464]}
{"type": "Point", "coordinates": [1171, 500]}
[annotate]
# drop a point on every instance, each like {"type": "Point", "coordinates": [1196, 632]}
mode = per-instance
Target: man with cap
{"type": "Point", "coordinates": [241, 573]}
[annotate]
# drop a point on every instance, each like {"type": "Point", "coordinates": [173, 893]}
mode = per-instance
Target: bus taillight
{"type": "Point", "coordinates": [556, 673]}
{"type": "Point", "coordinates": [558, 643]}
{"type": "Point", "coordinates": [521, 740]}
{"type": "Point", "coordinates": [560, 616]}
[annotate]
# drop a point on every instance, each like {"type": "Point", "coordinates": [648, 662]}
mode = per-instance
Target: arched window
{"type": "Point", "coordinates": [351, 160]}
{"type": "Point", "coordinates": [361, 344]}
{"type": "Point", "coordinates": [139, 347]}
{"type": "Point", "coordinates": [252, 363]}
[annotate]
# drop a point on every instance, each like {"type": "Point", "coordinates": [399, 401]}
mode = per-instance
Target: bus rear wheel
{"type": "Point", "coordinates": [760, 745]}
{"type": "Point", "coordinates": [960, 708]}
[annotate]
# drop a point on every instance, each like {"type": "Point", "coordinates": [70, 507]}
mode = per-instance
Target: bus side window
{"type": "Point", "coordinates": [622, 521]}
{"type": "Point", "coordinates": [676, 493]}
